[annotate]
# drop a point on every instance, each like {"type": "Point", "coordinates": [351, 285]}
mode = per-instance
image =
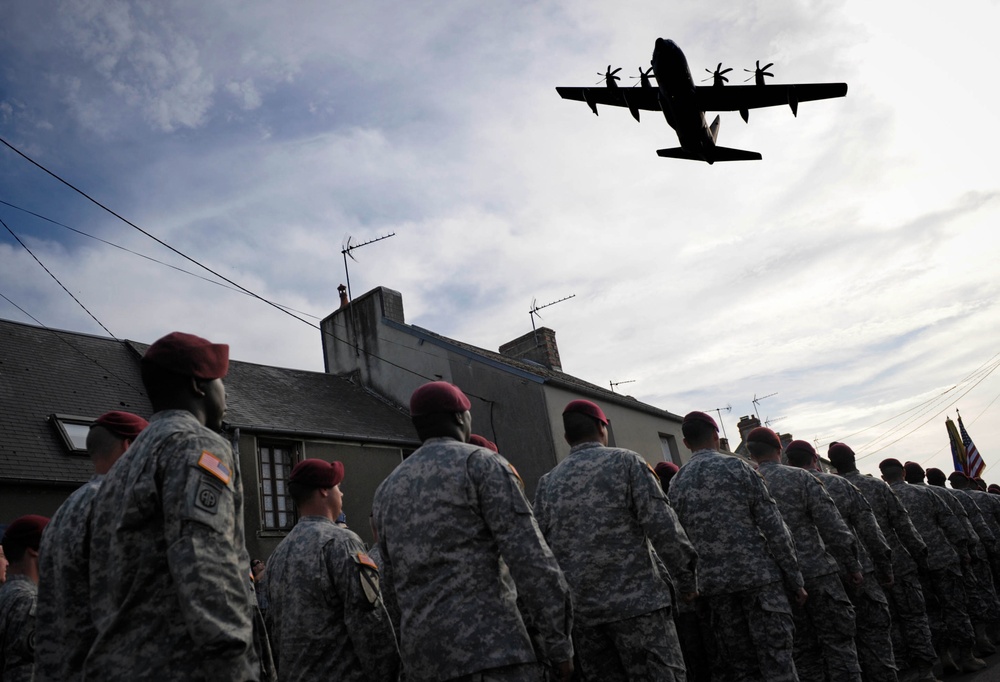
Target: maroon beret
{"type": "Point", "coordinates": [839, 450]}
{"type": "Point", "coordinates": [913, 472]}
{"type": "Point", "coordinates": [764, 435]}
{"type": "Point", "coordinates": [800, 446]}
{"type": "Point", "coordinates": [935, 476]}
{"type": "Point", "coordinates": [189, 355]}
{"type": "Point", "coordinates": [438, 396]}
{"type": "Point", "coordinates": [994, 488]}
{"type": "Point", "coordinates": [958, 475]}
{"type": "Point", "coordinates": [887, 463]}
{"type": "Point", "coordinates": [476, 439]}
{"type": "Point", "coordinates": [317, 473]}
{"type": "Point", "coordinates": [125, 425]}
{"type": "Point", "coordinates": [24, 532]}
{"type": "Point", "coordinates": [666, 470]}
{"type": "Point", "coordinates": [586, 407]}
{"type": "Point", "coordinates": [701, 417]}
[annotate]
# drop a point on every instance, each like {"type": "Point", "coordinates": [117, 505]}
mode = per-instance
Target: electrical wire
{"type": "Point", "coordinates": [78, 302]}
{"type": "Point", "coordinates": [60, 336]}
{"type": "Point", "coordinates": [208, 269]}
{"type": "Point", "coordinates": [142, 255]}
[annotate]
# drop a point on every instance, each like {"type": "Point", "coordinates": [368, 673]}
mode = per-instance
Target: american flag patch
{"type": "Point", "coordinates": [366, 560]}
{"type": "Point", "coordinates": [214, 466]}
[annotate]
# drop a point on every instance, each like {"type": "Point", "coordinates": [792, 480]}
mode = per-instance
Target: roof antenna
{"type": "Point", "coordinates": [756, 403]}
{"type": "Point", "coordinates": [534, 311]}
{"type": "Point", "coordinates": [346, 251]}
{"type": "Point", "coordinates": [619, 383]}
{"type": "Point", "coordinates": [728, 408]}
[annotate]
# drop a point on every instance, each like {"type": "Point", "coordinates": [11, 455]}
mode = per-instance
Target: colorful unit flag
{"type": "Point", "coordinates": [973, 462]}
{"type": "Point", "coordinates": [958, 455]}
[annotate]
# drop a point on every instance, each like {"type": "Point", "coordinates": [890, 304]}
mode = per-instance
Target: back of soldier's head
{"type": "Point", "coordinates": [842, 457]}
{"type": "Point", "coordinates": [699, 430]}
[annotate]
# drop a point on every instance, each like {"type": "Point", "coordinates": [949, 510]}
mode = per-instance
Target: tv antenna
{"type": "Point", "coordinates": [756, 402]}
{"type": "Point", "coordinates": [769, 421]}
{"type": "Point", "coordinates": [346, 251]}
{"type": "Point", "coordinates": [728, 408]}
{"type": "Point", "coordinates": [619, 383]}
{"type": "Point", "coordinates": [535, 308]}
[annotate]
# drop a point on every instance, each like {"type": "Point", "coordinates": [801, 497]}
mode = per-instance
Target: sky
{"type": "Point", "coordinates": [848, 276]}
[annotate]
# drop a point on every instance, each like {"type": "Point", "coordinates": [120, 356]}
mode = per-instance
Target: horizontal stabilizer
{"type": "Point", "coordinates": [716, 154]}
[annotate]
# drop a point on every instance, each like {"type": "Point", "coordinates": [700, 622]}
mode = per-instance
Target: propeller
{"type": "Point", "coordinates": [643, 77]}
{"type": "Point", "coordinates": [718, 76]}
{"type": "Point", "coordinates": [759, 73]}
{"type": "Point", "coordinates": [609, 78]}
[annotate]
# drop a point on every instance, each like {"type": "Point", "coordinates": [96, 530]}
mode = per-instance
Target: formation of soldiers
{"type": "Point", "coordinates": [722, 569]}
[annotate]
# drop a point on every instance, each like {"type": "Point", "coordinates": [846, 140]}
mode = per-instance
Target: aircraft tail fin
{"type": "Point", "coordinates": [714, 128]}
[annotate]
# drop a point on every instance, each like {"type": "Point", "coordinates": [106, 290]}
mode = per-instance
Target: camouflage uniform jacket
{"type": "Point", "coordinates": [169, 592]}
{"type": "Point", "coordinates": [734, 524]}
{"type": "Point", "coordinates": [966, 538]}
{"type": "Point", "coordinates": [819, 531]}
{"type": "Point", "coordinates": [989, 504]}
{"type": "Point", "coordinates": [977, 517]}
{"type": "Point", "coordinates": [935, 522]}
{"type": "Point", "coordinates": [600, 510]}
{"type": "Point", "coordinates": [451, 519]}
{"type": "Point", "coordinates": [895, 522]}
{"type": "Point", "coordinates": [857, 513]}
{"type": "Point", "coordinates": [17, 628]}
{"type": "Point", "coordinates": [65, 631]}
{"type": "Point", "coordinates": [325, 609]}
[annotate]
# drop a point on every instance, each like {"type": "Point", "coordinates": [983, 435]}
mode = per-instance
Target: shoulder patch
{"type": "Point", "coordinates": [214, 466]}
{"type": "Point", "coordinates": [516, 475]}
{"type": "Point", "coordinates": [365, 560]}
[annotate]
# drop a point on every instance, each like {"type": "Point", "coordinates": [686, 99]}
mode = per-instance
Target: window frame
{"type": "Point", "coordinates": [61, 421]}
{"type": "Point", "coordinates": [274, 488]}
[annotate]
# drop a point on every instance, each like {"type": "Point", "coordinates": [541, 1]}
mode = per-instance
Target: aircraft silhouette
{"type": "Point", "coordinates": [684, 104]}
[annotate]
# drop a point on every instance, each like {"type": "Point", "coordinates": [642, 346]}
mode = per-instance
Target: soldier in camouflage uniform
{"type": "Point", "coordinates": [943, 588]}
{"type": "Point", "coordinates": [990, 506]}
{"type": "Point", "coordinates": [746, 559]}
{"type": "Point", "coordinates": [825, 626]}
{"type": "Point", "coordinates": [327, 620]}
{"type": "Point", "coordinates": [871, 607]}
{"type": "Point", "coordinates": [913, 647]}
{"type": "Point", "coordinates": [18, 596]}
{"type": "Point", "coordinates": [65, 631]}
{"type": "Point", "coordinates": [622, 625]}
{"type": "Point", "coordinates": [459, 546]}
{"type": "Point", "coordinates": [170, 593]}
{"type": "Point", "coordinates": [984, 607]}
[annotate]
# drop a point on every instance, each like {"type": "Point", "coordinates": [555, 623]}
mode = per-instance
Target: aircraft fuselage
{"type": "Point", "coordinates": [677, 99]}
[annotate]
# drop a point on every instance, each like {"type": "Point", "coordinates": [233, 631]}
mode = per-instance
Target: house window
{"type": "Point", "coordinates": [670, 451]}
{"type": "Point", "coordinates": [276, 462]}
{"type": "Point", "coordinates": [73, 431]}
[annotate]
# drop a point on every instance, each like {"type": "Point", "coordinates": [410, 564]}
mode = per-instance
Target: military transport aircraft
{"type": "Point", "coordinates": [684, 104]}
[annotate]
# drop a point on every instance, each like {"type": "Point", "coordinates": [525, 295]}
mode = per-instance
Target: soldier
{"type": "Point", "coordinates": [946, 598]}
{"type": "Point", "coordinates": [983, 605]}
{"type": "Point", "coordinates": [3, 567]}
{"type": "Point", "coordinates": [170, 594]}
{"type": "Point", "coordinates": [21, 542]}
{"type": "Point", "coordinates": [906, 598]}
{"type": "Point", "coordinates": [622, 625]}
{"type": "Point", "coordinates": [871, 607]}
{"type": "Point", "coordinates": [459, 546]}
{"type": "Point", "coordinates": [65, 630]}
{"type": "Point", "coordinates": [827, 618]}
{"type": "Point", "coordinates": [666, 471]}
{"type": "Point", "coordinates": [323, 590]}
{"type": "Point", "coordinates": [746, 557]}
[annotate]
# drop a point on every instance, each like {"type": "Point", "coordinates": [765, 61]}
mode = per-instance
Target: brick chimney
{"type": "Point", "coordinates": [343, 297]}
{"type": "Point", "coordinates": [538, 346]}
{"type": "Point", "coordinates": [746, 425]}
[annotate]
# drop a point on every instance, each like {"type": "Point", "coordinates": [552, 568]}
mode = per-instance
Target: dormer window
{"type": "Point", "coordinates": [73, 431]}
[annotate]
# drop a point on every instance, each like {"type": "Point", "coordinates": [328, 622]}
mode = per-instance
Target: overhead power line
{"type": "Point", "coordinates": [219, 275]}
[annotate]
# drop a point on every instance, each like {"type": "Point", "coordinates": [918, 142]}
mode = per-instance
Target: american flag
{"type": "Point", "coordinates": [974, 465]}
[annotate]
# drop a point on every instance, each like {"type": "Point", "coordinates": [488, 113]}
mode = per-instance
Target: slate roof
{"type": "Point", "coordinates": [45, 372]}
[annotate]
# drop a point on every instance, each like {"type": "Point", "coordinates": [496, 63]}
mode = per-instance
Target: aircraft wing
{"type": "Point", "coordinates": [632, 98]}
{"type": "Point", "coordinates": [743, 97]}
